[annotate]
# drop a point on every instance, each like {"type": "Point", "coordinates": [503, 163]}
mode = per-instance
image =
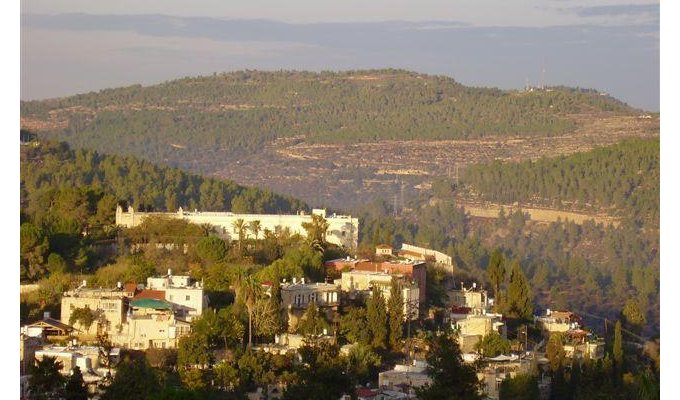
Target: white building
{"type": "Point", "coordinates": [343, 230]}
{"type": "Point", "coordinates": [183, 292]}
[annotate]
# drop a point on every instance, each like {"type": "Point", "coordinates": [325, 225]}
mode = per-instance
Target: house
{"type": "Point", "coordinates": [472, 297]}
{"type": "Point", "coordinates": [423, 254]}
{"type": "Point", "coordinates": [48, 328]}
{"type": "Point", "coordinates": [413, 270]}
{"type": "Point", "coordinates": [475, 327]}
{"type": "Point", "coordinates": [108, 305]}
{"type": "Point", "coordinates": [150, 323]}
{"type": "Point", "coordinates": [298, 295]}
{"type": "Point", "coordinates": [557, 321]}
{"type": "Point", "coordinates": [185, 293]}
{"type": "Point", "coordinates": [404, 376]}
{"type": "Point", "coordinates": [360, 283]}
{"type": "Point", "coordinates": [579, 343]}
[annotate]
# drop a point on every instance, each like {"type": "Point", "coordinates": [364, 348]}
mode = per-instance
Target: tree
{"type": "Point", "coordinates": [521, 387]}
{"type": "Point", "coordinates": [84, 316]}
{"type": "Point", "coordinates": [376, 317]}
{"type": "Point", "coordinates": [46, 381]}
{"type": "Point", "coordinates": [496, 273]}
{"type": "Point", "coordinates": [248, 291]}
{"type": "Point", "coordinates": [395, 307]}
{"type": "Point", "coordinates": [519, 304]}
{"type": "Point", "coordinates": [633, 317]}
{"type": "Point", "coordinates": [451, 377]}
{"type": "Point", "coordinates": [354, 327]}
{"type": "Point", "coordinates": [363, 363]}
{"type": "Point", "coordinates": [104, 347]}
{"type": "Point", "coordinates": [255, 227]}
{"type": "Point", "coordinates": [193, 351]}
{"type": "Point", "coordinates": [312, 322]}
{"type": "Point", "coordinates": [240, 227]}
{"type": "Point", "coordinates": [493, 344]}
{"type": "Point", "coordinates": [618, 346]}
{"type": "Point", "coordinates": [211, 249]}
{"type": "Point", "coordinates": [134, 380]}
{"type": "Point", "coordinates": [555, 351]}
{"type": "Point", "coordinates": [316, 230]}
{"type": "Point", "coordinates": [75, 388]}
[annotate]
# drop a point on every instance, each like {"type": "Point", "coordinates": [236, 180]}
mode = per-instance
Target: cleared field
{"type": "Point", "coordinates": [536, 214]}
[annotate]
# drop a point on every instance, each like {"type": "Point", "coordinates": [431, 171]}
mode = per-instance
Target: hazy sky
{"type": "Point", "coordinates": [607, 45]}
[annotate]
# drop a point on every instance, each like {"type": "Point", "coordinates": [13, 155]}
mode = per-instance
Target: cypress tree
{"type": "Point", "coordinates": [376, 316]}
{"type": "Point", "coordinates": [396, 314]}
{"type": "Point", "coordinates": [519, 303]}
{"type": "Point", "coordinates": [618, 345]}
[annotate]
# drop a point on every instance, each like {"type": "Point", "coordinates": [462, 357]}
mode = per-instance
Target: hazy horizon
{"type": "Point", "coordinates": [614, 50]}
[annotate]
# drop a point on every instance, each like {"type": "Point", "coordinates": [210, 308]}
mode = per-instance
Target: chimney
{"type": "Point", "coordinates": [169, 272]}
{"type": "Point", "coordinates": [84, 283]}
{"type": "Point", "coordinates": [119, 285]}
{"type": "Point", "coordinates": [46, 315]}
{"type": "Point", "coordinates": [547, 312]}
{"type": "Point", "coordinates": [474, 285]}
{"type": "Point", "coordinates": [294, 280]}
{"type": "Point", "coordinates": [461, 286]}
{"type": "Point", "coordinates": [302, 280]}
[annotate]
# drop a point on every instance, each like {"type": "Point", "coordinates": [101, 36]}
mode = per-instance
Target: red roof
{"type": "Point", "coordinates": [366, 392]}
{"type": "Point", "coordinates": [130, 287]}
{"type": "Point", "coordinates": [150, 294]}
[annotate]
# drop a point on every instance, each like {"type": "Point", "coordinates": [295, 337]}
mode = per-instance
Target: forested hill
{"type": "Point", "coordinates": [623, 179]}
{"type": "Point", "coordinates": [201, 123]}
{"type": "Point", "coordinates": [57, 181]}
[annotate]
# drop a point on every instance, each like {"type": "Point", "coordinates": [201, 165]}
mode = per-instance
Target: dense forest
{"type": "Point", "coordinates": [69, 197]}
{"type": "Point", "coordinates": [624, 178]}
{"type": "Point", "coordinates": [203, 121]}
{"type": "Point", "coordinates": [590, 268]}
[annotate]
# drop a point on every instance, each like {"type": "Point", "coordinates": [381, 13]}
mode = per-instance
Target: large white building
{"type": "Point", "coordinates": [343, 230]}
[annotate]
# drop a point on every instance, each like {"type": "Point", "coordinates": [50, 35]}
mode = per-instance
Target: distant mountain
{"type": "Point", "coordinates": [206, 123]}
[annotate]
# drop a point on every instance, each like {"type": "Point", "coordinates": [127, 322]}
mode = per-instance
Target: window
{"type": "Point", "coordinates": [170, 297]}
{"type": "Point", "coordinates": [188, 298]}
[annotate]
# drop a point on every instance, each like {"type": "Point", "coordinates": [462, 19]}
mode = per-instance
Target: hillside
{"type": "Point", "coordinates": [333, 139]}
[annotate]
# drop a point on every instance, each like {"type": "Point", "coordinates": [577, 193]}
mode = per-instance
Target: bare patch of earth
{"type": "Point", "coordinates": [346, 176]}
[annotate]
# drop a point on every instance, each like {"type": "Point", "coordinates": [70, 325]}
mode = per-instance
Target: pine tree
{"type": "Point", "coordinates": [618, 345]}
{"type": "Point", "coordinates": [496, 272]}
{"type": "Point", "coordinates": [75, 386]}
{"type": "Point", "coordinates": [396, 315]}
{"type": "Point", "coordinates": [451, 377]}
{"type": "Point", "coordinates": [376, 316]}
{"type": "Point", "coordinates": [519, 303]}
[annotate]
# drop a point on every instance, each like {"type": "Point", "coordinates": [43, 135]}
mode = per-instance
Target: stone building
{"type": "Point", "coordinates": [343, 230]}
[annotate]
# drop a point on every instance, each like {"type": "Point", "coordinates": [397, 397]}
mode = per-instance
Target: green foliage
{"type": "Point", "coordinates": [84, 316]}
{"type": "Point", "coordinates": [618, 345]}
{"type": "Point", "coordinates": [395, 308]}
{"type": "Point", "coordinates": [134, 380]}
{"type": "Point", "coordinates": [435, 280]}
{"type": "Point", "coordinates": [354, 326]}
{"type": "Point", "coordinates": [322, 375]}
{"type": "Point", "coordinates": [220, 328]}
{"type": "Point", "coordinates": [46, 381]}
{"type": "Point", "coordinates": [493, 345]}
{"type": "Point", "coordinates": [519, 299]}
{"type": "Point", "coordinates": [211, 249]}
{"type": "Point", "coordinates": [554, 351]}
{"type": "Point", "coordinates": [521, 387]}
{"type": "Point", "coordinates": [203, 118]}
{"type": "Point", "coordinates": [451, 377]}
{"type": "Point", "coordinates": [313, 322]}
{"type": "Point", "coordinates": [363, 363]}
{"type": "Point", "coordinates": [376, 318]}
{"type": "Point", "coordinates": [624, 176]}
{"type": "Point", "coordinates": [496, 273]}
{"type": "Point", "coordinates": [193, 350]}
{"type": "Point", "coordinates": [75, 388]}
{"type": "Point", "coordinates": [633, 317]}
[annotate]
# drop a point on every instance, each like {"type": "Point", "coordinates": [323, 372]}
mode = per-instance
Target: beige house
{"type": "Point", "coordinates": [150, 324]}
{"type": "Point", "coordinates": [362, 282]}
{"type": "Point", "coordinates": [298, 295]}
{"type": "Point", "coordinates": [109, 305]}
{"type": "Point", "coordinates": [472, 297]}
{"type": "Point", "coordinates": [411, 375]}
{"type": "Point", "coordinates": [475, 327]}
{"type": "Point", "coordinates": [557, 321]}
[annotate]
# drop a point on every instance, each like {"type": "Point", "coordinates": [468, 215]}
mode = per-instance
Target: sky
{"type": "Point", "coordinates": [70, 47]}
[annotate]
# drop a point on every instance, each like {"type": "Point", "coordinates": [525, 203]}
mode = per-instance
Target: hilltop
{"type": "Point", "coordinates": [338, 133]}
